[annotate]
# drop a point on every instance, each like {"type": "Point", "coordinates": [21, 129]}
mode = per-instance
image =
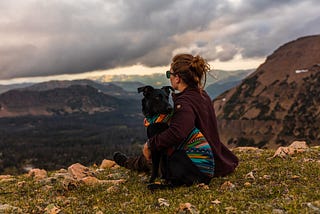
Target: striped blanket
{"type": "Point", "coordinates": [199, 151]}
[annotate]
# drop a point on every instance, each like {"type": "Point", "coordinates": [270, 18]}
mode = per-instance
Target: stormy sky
{"type": "Point", "coordinates": [41, 38]}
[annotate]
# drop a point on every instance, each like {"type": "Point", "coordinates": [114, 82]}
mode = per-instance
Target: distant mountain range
{"type": "Point", "coordinates": [216, 83]}
{"type": "Point", "coordinates": [277, 103]}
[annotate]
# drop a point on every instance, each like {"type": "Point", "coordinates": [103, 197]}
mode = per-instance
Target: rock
{"type": "Point", "coordinates": [6, 178]}
{"type": "Point", "coordinates": [250, 176]}
{"type": "Point", "coordinates": [79, 171]}
{"type": "Point", "coordinates": [295, 177]}
{"type": "Point", "coordinates": [247, 184]}
{"type": "Point", "coordinates": [216, 202]}
{"type": "Point", "coordinates": [187, 208]}
{"type": "Point", "coordinates": [315, 206]}
{"type": "Point", "coordinates": [163, 202]}
{"type": "Point", "coordinates": [52, 209]}
{"type": "Point", "coordinates": [90, 180]}
{"type": "Point", "coordinates": [38, 174]}
{"type": "Point", "coordinates": [107, 164]}
{"type": "Point", "coordinates": [295, 147]}
{"type": "Point", "coordinates": [6, 208]}
{"type": "Point", "coordinates": [227, 185]}
{"type": "Point", "coordinates": [267, 177]}
{"type": "Point", "coordinates": [70, 184]}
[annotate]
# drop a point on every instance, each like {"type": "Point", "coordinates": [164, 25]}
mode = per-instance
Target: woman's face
{"type": "Point", "coordinates": [174, 80]}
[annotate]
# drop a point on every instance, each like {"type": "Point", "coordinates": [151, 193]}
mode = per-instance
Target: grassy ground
{"type": "Point", "coordinates": [259, 185]}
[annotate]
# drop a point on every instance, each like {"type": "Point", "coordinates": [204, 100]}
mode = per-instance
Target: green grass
{"type": "Point", "coordinates": [278, 185]}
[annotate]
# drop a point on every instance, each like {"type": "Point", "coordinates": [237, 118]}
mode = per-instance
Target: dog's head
{"type": "Point", "coordinates": [155, 101]}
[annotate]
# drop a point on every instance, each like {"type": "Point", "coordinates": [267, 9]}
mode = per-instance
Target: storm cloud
{"type": "Point", "coordinates": [40, 38]}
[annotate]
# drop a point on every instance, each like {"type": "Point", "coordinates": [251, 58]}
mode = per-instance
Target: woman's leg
{"type": "Point", "coordinates": [137, 163]}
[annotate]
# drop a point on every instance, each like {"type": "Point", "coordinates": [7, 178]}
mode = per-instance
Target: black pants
{"type": "Point", "coordinates": [178, 169]}
{"type": "Point", "coordinates": [138, 163]}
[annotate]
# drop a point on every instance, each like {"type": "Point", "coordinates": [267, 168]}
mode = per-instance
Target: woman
{"type": "Point", "coordinates": [193, 108]}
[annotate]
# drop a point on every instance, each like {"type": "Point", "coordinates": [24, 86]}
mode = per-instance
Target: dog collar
{"type": "Point", "coordinates": [158, 118]}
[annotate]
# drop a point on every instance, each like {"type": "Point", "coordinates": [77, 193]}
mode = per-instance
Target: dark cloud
{"type": "Point", "coordinates": [42, 38]}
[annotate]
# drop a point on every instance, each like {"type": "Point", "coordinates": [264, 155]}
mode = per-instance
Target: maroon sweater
{"type": "Point", "coordinates": [195, 109]}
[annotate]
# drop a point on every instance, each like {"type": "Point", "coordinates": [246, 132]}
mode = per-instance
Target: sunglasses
{"type": "Point", "coordinates": [169, 73]}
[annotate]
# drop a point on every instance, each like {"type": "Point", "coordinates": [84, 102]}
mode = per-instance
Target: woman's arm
{"type": "Point", "coordinates": [181, 124]}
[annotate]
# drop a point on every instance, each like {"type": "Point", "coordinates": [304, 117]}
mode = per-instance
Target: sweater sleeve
{"type": "Point", "coordinates": [181, 124]}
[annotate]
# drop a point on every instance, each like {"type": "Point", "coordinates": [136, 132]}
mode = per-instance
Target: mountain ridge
{"type": "Point", "coordinates": [282, 91]}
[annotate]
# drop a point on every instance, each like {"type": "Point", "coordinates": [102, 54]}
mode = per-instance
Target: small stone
{"type": "Point", "coordinates": [52, 209]}
{"type": "Point", "coordinates": [163, 202]}
{"type": "Point", "coordinates": [187, 208]}
{"type": "Point", "coordinates": [247, 184]}
{"type": "Point", "coordinates": [79, 171]}
{"type": "Point", "coordinates": [38, 174]}
{"type": "Point", "coordinates": [6, 208]}
{"type": "Point", "coordinates": [107, 164]}
{"type": "Point", "coordinates": [267, 177]}
{"type": "Point", "coordinates": [250, 175]}
{"type": "Point", "coordinates": [90, 180]}
{"type": "Point", "coordinates": [295, 177]}
{"type": "Point", "coordinates": [5, 177]}
{"type": "Point", "coordinates": [216, 202]}
{"type": "Point", "coordinates": [227, 185]}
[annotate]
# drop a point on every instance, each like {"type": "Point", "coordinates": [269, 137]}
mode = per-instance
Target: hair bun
{"type": "Point", "coordinates": [195, 61]}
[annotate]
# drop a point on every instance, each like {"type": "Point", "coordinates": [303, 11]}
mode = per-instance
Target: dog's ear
{"type": "Point", "coordinates": [145, 89]}
{"type": "Point", "coordinates": [167, 89]}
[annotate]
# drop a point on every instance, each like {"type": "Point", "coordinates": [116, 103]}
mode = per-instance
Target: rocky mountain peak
{"type": "Point", "coordinates": [283, 90]}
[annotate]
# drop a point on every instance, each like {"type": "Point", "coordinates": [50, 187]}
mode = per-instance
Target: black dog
{"type": "Point", "coordinates": [154, 103]}
{"type": "Point", "coordinates": [177, 169]}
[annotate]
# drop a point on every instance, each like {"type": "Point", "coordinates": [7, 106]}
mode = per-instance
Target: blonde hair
{"type": "Point", "coordinates": [192, 69]}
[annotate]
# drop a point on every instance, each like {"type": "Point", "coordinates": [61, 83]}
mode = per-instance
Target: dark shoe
{"type": "Point", "coordinates": [120, 158]}
{"type": "Point", "coordinates": [154, 186]}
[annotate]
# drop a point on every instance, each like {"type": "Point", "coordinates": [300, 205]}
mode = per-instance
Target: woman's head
{"type": "Point", "coordinates": [191, 69]}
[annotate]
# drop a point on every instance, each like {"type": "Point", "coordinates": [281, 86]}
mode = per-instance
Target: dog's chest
{"type": "Point", "coordinates": [156, 128]}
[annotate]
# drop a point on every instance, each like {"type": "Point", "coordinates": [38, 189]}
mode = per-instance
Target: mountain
{"type": "Point", "coordinates": [130, 86]}
{"type": "Point", "coordinates": [107, 88]}
{"type": "Point", "coordinates": [155, 80]}
{"type": "Point", "coordinates": [44, 99]}
{"type": "Point", "coordinates": [217, 88]}
{"type": "Point", "coordinates": [221, 81]}
{"type": "Point", "coordinates": [216, 83]}
{"type": "Point", "coordinates": [278, 102]}
{"type": "Point", "coordinates": [5, 88]}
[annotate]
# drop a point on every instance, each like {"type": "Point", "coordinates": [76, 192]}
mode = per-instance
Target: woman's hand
{"type": "Point", "coordinates": [146, 151]}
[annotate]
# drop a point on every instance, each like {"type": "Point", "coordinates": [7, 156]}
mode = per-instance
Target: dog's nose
{"type": "Point", "coordinates": [169, 108]}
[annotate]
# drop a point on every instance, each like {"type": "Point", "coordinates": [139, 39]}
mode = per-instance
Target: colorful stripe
{"type": "Point", "coordinates": [159, 118]}
{"type": "Point", "coordinates": [199, 151]}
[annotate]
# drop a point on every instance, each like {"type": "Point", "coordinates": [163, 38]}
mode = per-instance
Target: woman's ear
{"type": "Point", "coordinates": [177, 79]}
